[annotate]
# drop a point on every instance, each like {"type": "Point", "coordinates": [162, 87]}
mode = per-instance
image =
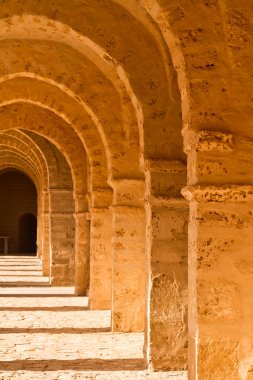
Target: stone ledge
{"type": "Point", "coordinates": [166, 202]}
{"type": "Point", "coordinates": [100, 197]}
{"type": "Point", "coordinates": [62, 214]}
{"type": "Point", "coordinates": [209, 141]}
{"type": "Point", "coordinates": [98, 211]}
{"type": "Point", "coordinates": [92, 375]}
{"type": "Point", "coordinates": [128, 192]}
{"type": "Point", "coordinates": [122, 209]}
{"type": "Point", "coordinates": [165, 166]}
{"type": "Point", "coordinates": [225, 194]}
{"type": "Point", "coordinates": [60, 191]}
{"type": "Point", "coordinates": [81, 215]}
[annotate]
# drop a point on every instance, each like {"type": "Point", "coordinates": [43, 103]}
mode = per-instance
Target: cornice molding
{"type": "Point", "coordinates": [218, 194]}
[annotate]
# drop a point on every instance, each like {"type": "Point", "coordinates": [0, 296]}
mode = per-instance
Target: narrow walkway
{"type": "Point", "coordinates": [48, 333]}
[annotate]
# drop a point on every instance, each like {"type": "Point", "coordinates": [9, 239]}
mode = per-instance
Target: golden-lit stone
{"type": "Point", "coordinates": [132, 120]}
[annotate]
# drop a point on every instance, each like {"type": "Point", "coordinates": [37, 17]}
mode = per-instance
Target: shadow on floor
{"type": "Point", "coordinates": [78, 365]}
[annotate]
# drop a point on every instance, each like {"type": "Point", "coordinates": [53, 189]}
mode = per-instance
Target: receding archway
{"type": "Point", "coordinates": [27, 234]}
{"type": "Point", "coordinates": [18, 205]}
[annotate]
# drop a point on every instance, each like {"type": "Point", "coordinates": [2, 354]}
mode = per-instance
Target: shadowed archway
{"type": "Point", "coordinates": [27, 234]}
{"type": "Point", "coordinates": [18, 204]}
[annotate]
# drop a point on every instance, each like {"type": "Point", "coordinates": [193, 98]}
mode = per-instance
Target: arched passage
{"type": "Point", "coordinates": [18, 198]}
{"type": "Point", "coordinates": [27, 234]}
{"type": "Point", "coordinates": [114, 137]}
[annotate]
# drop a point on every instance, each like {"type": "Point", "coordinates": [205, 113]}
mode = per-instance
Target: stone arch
{"type": "Point", "coordinates": [60, 180]}
{"type": "Point", "coordinates": [35, 153]}
{"type": "Point", "coordinates": [22, 149]}
{"type": "Point", "coordinates": [19, 159]}
{"type": "Point", "coordinates": [149, 86]}
{"type": "Point", "coordinates": [61, 101]}
{"type": "Point", "coordinates": [77, 94]}
{"type": "Point", "coordinates": [44, 217]}
{"type": "Point", "coordinates": [14, 163]}
{"type": "Point", "coordinates": [59, 211]}
{"type": "Point", "coordinates": [76, 157]}
{"type": "Point", "coordinates": [6, 166]}
{"type": "Point", "coordinates": [115, 9]}
{"type": "Point", "coordinates": [7, 152]}
{"type": "Point", "coordinates": [59, 171]}
{"type": "Point", "coordinates": [58, 31]}
{"type": "Point", "coordinates": [30, 121]}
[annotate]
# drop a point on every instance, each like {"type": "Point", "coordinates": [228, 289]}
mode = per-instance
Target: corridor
{"type": "Point", "coordinates": [48, 333]}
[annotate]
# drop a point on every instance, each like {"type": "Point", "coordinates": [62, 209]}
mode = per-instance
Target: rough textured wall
{"type": "Point", "coordinates": [18, 196]}
{"type": "Point", "coordinates": [122, 78]}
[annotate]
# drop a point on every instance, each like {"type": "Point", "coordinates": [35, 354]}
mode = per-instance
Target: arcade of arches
{"type": "Point", "coordinates": [129, 122]}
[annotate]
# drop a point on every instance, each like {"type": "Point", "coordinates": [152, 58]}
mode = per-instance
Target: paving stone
{"type": "Point", "coordinates": [37, 291]}
{"type": "Point", "coordinates": [46, 333]}
{"type": "Point", "coordinates": [20, 273]}
{"type": "Point", "coordinates": [43, 302]}
{"type": "Point", "coordinates": [43, 321]}
{"type": "Point", "coordinates": [23, 279]}
{"type": "Point", "coordinates": [20, 267]}
{"type": "Point", "coordinates": [71, 346]}
{"type": "Point", "coordinates": [94, 375]}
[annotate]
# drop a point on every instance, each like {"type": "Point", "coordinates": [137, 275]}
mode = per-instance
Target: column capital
{"type": "Point", "coordinates": [164, 166]}
{"type": "Point", "coordinates": [81, 215]}
{"type": "Point", "coordinates": [61, 200]}
{"type": "Point", "coordinates": [164, 202]}
{"type": "Point", "coordinates": [203, 141]}
{"type": "Point", "coordinates": [81, 202]}
{"type": "Point", "coordinates": [60, 191]}
{"type": "Point", "coordinates": [128, 192]}
{"type": "Point", "coordinates": [218, 194]}
{"type": "Point", "coordinates": [164, 179]}
{"type": "Point", "coordinates": [98, 211]}
{"type": "Point", "coordinates": [123, 209]}
{"type": "Point", "coordinates": [61, 214]}
{"type": "Point", "coordinates": [100, 197]}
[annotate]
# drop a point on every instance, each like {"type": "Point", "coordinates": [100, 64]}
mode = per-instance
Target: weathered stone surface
{"type": "Point", "coordinates": [87, 375]}
{"type": "Point", "coordinates": [102, 101]}
{"type": "Point", "coordinates": [81, 254]}
{"type": "Point", "coordinates": [220, 237]}
{"type": "Point", "coordinates": [223, 194]}
{"type": "Point", "coordinates": [209, 141]}
{"type": "Point", "coordinates": [62, 249]}
{"type": "Point", "coordinates": [101, 260]}
{"type": "Point", "coordinates": [219, 300]}
{"type": "Point", "coordinates": [218, 359]}
{"type": "Point", "coordinates": [57, 338]}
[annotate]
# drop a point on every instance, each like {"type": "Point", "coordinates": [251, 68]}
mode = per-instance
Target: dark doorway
{"type": "Point", "coordinates": [27, 233]}
{"type": "Point", "coordinates": [18, 197]}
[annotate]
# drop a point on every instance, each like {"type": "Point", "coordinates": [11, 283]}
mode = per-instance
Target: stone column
{"type": "Point", "coordinates": [220, 257]}
{"type": "Point", "coordinates": [167, 223]}
{"type": "Point", "coordinates": [100, 292]}
{"type": "Point", "coordinates": [45, 234]}
{"type": "Point", "coordinates": [129, 258]}
{"type": "Point", "coordinates": [46, 244]}
{"type": "Point", "coordinates": [220, 281]}
{"type": "Point", "coordinates": [62, 237]}
{"type": "Point", "coordinates": [82, 239]}
{"type": "Point", "coordinates": [82, 245]}
{"type": "Point", "coordinates": [39, 226]}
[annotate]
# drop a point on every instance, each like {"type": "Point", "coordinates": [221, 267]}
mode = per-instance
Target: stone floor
{"type": "Point", "coordinates": [47, 333]}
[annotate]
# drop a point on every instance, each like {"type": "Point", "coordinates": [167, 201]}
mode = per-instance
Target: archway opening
{"type": "Point", "coordinates": [27, 234]}
{"type": "Point", "coordinates": [18, 205]}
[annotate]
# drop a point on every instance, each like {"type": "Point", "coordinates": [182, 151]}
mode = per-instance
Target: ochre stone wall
{"type": "Point", "coordinates": [133, 118]}
{"type": "Point", "coordinates": [18, 196]}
